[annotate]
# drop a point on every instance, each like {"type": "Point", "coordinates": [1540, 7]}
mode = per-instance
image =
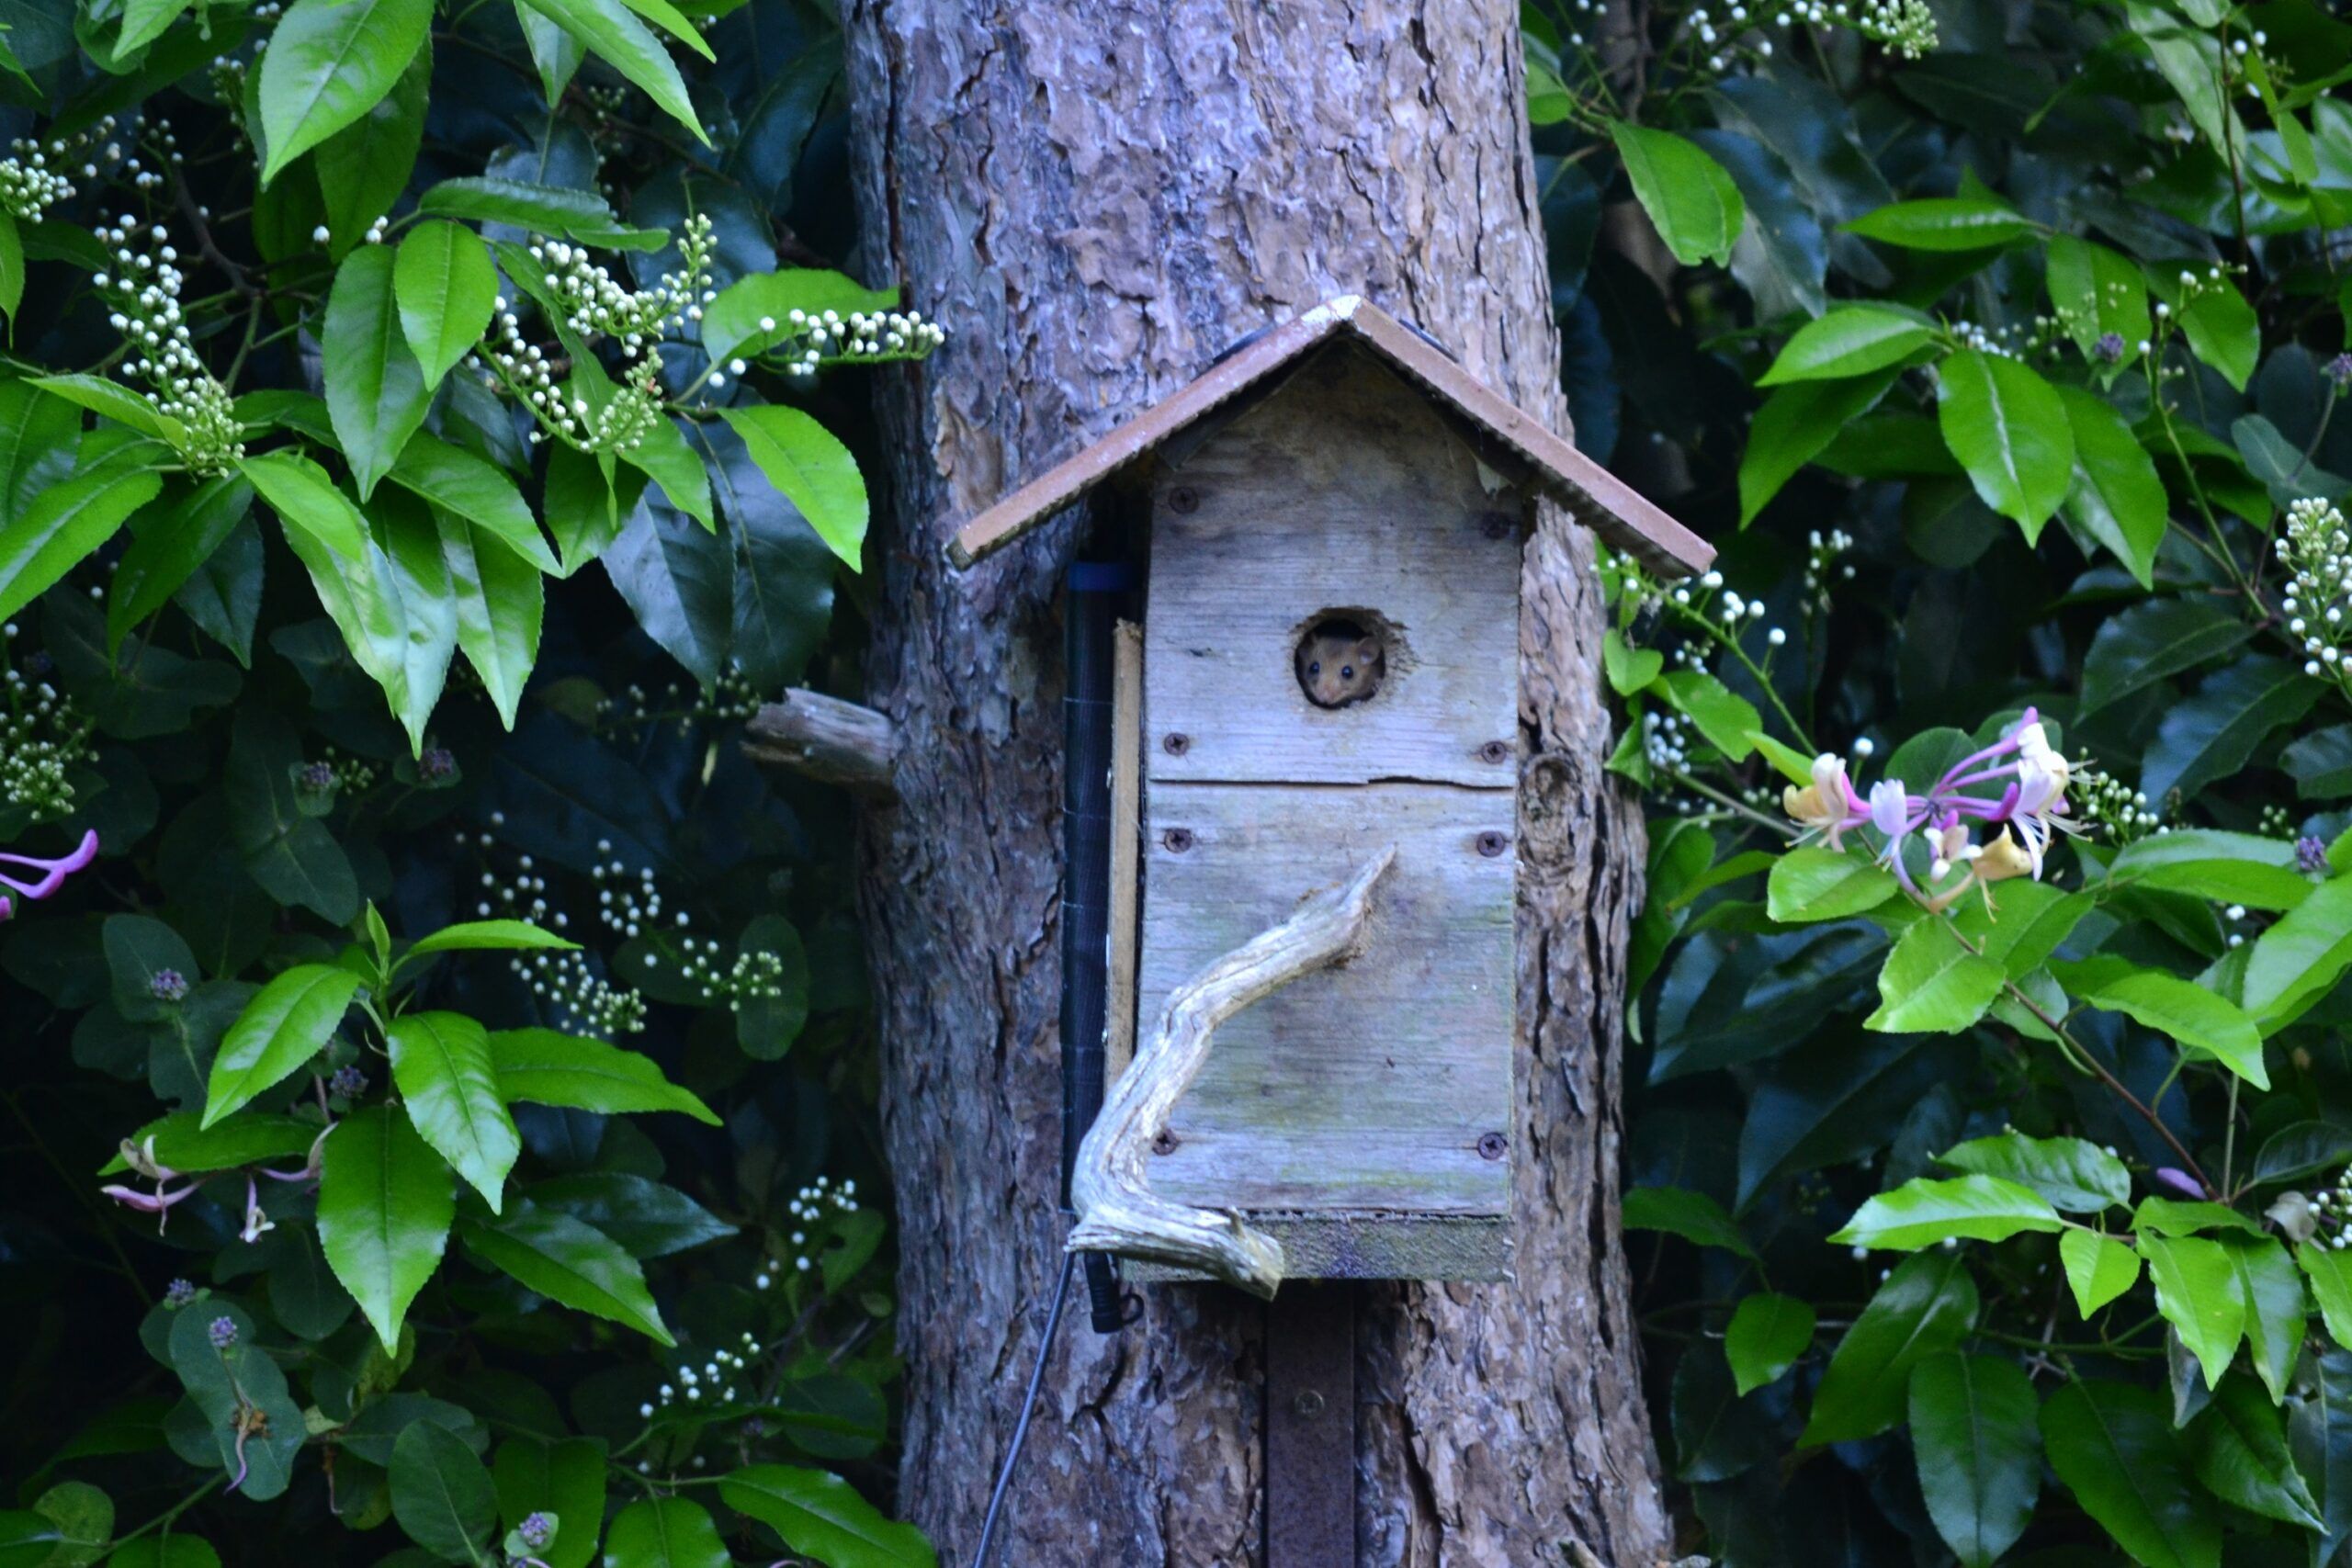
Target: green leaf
{"type": "Point", "coordinates": [1767, 1335]}
{"type": "Point", "coordinates": [625, 44]}
{"type": "Point", "coordinates": [145, 21]}
{"type": "Point", "coordinates": [442, 1063]}
{"type": "Point", "coordinates": [2151, 642]}
{"type": "Point", "coordinates": [2321, 763]}
{"type": "Point", "coordinates": [116, 402]}
{"type": "Point", "coordinates": [170, 540]}
{"type": "Point", "coordinates": [289, 855]}
{"type": "Point", "coordinates": [555, 54]}
{"type": "Point", "coordinates": [2099, 1268]}
{"type": "Point", "coordinates": [441, 1494]}
{"type": "Point", "coordinates": [2238, 1446]}
{"type": "Point", "coordinates": [2188, 1013]}
{"type": "Point", "coordinates": [457, 481]}
{"type": "Point", "coordinates": [565, 1479]}
{"type": "Point", "coordinates": [2299, 960]}
{"type": "Point", "coordinates": [820, 1515]}
{"type": "Point", "coordinates": [376, 390]}
{"type": "Point", "coordinates": [290, 1022]}
{"type": "Point", "coordinates": [2115, 496]}
{"type": "Point", "coordinates": [2072, 1174]}
{"type": "Point", "coordinates": [1723, 715]}
{"type": "Point", "coordinates": [665, 458]}
{"type": "Point", "coordinates": [1925, 1306]}
{"type": "Point", "coordinates": [307, 501]}
{"type": "Point", "coordinates": [501, 606]}
{"type": "Point", "coordinates": [328, 62]}
{"type": "Point", "coordinates": [446, 288]}
{"type": "Point", "coordinates": [664, 1532]}
{"type": "Point", "coordinates": [647, 1219]}
{"type": "Point", "coordinates": [226, 1384]}
{"type": "Point", "coordinates": [1796, 424]}
{"type": "Point", "coordinates": [2221, 329]}
{"type": "Point", "coordinates": [2213, 734]}
{"type": "Point", "coordinates": [1687, 195]}
{"type": "Point", "coordinates": [1693, 1216]}
{"type": "Point", "coordinates": [2009, 428]}
{"type": "Point", "coordinates": [488, 936]}
{"type": "Point", "coordinates": [2275, 1308]}
{"type": "Point", "coordinates": [2094, 291]}
{"type": "Point", "coordinates": [753, 313]}
{"type": "Point", "coordinates": [2197, 1291]}
{"type": "Point", "coordinates": [2170, 1216]}
{"type": "Point", "coordinates": [364, 168]}
{"type": "Point", "coordinates": [2330, 1272]}
{"type": "Point", "coordinates": [175, 1551]}
{"type": "Point", "coordinates": [1852, 340]}
{"type": "Point", "coordinates": [813, 469]}
{"type": "Point", "coordinates": [1932, 983]}
{"type": "Point", "coordinates": [2113, 1445]}
{"type": "Point", "coordinates": [385, 1208]}
{"type": "Point", "coordinates": [64, 524]}
{"type": "Point", "coordinates": [541, 208]}
{"type": "Point", "coordinates": [84, 1518]}
{"type": "Point", "coordinates": [1814, 882]}
{"type": "Point", "coordinates": [1942, 223]}
{"type": "Point", "coordinates": [1629, 668]}
{"type": "Point", "coordinates": [548, 1068]}
{"type": "Point", "coordinates": [1979, 1451]}
{"type": "Point", "coordinates": [2228, 868]}
{"type": "Point", "coordinates": [568, 1261]}
{"type": "Point", "coordinates": [1924, 1211]}
{"type": "Point", "coordinates": [181, 1142]}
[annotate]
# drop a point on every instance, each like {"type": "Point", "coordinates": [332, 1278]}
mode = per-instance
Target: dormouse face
{"type": "Point", "coordinates": [1335, 670]}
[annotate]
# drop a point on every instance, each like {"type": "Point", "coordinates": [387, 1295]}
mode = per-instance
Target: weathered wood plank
{"type": "Point", "coordinates": [1343, 491]}
{"type": "Point", "coordinates": [1365, 1088]}
{"type": "Point", "coordinates": [1373, 1246]}
{"type": "Point", "coordinates": [1126, 844]}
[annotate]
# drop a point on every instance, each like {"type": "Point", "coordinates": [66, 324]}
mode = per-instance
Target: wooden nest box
{"type": "Point", "coordinates": [1324, 757]}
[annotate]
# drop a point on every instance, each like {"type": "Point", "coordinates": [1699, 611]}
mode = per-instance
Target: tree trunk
{"type": "Point", "coordinates": [1095, 199]}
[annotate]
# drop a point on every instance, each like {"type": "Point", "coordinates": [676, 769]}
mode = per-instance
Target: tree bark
{"type": "Point", "coordinates": [1095, 198]}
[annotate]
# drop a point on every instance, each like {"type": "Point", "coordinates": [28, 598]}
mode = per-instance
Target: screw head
{"type": "Point", "coordinates": [1176, 745]}
{"type": "Point", "coordinates": [1491, 844]}
{"type": "Point", "coordinates": [1495, 751]}
{"type": "Point", "coordinates": [1499, 525]}
{"type": "Point", "coordinates": [1177, 839]}
{"type": "Point", "coordinates": [1307, 1403]}
{"type": "Point", "coordinates": [1492, 1145]}
{"type": "Point", "coordinates": [1185, 498]}
{"type": "Point", "coordinates": [1163, 1141]}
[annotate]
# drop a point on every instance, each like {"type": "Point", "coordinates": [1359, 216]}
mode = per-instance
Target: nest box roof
{"type": "Point", "coordinates": [1597, 498]}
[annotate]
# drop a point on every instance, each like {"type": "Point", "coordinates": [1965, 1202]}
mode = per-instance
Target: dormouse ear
{"type": "Point", "coordinates": [1367, 650]}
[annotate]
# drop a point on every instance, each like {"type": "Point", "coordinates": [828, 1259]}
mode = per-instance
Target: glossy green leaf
{"type": "Point", "coordinates": [290, 1022]}
{"type": "Point", "coordinates": [1924, 1212]}
{"type": "Point", "coordinates": [2238, 1449]}
{"type": "Point", "coordinates": [2072, 1174]}
{"type": "Point", "coordinates": [1723, 715]}
{"type": "Point", "coordinates": [308, 502]}
{"type": "Point", "coordinates": [2197, 1291]}
{"type": "Point", "coordinates": [116, 402]}
{"type": "Point", "coordinates": [2215, 732]}
{"type": "Point", "coordinates": [2321, 763]}
{"type": "Point", "coordinates": [490, 936]}
{"type": "Point", "coordinates": [1974, 1435]}
{"type": "Point", "coordinates": [2113, 1445]}
{"type": "Point", "coordinates": [1687, 194]}
{"type": "Point", "coordinates": [2115, 495]}
{"type": "Point", "coordinates": [820, 1515]}
{"type": "Point", "coordinates": [2009, 428]}
{"type": "Point", "coordinates": [752, 314]}
{"type": "Point", "coordinates": [181, 1142]}
{"type": "Point", "coordinates": [501, 603]}
{"type": "Point", "coordinates": [2151, 642]}
{"type": "Point", "coordinates": [171, 539]}
{"type": "Point", "coordinates": [376, 390]}
{"type": "Point", "coordinates": [2188, 1013]}
{"type": "Point", "coordinates": [565, 1479]}
{"type": "Point", "coordinates": [442, 1063]}
{"type": "Point", "coordinates": [614, 35]}
{"type": "Point", "coordinates": [570, 1262]}
{"type": "Point", "coordinates": [813, 469]}
{"type": "Point", "coordinates": [329, 61]}
{"type": "Point", "coordinates": [665, 458]}
{"type": "Point", "coordinates": [364, 169]}
{"type": "Point", "coordinates": [1766, 1334]}
{"type": "Point", "coordinates": [1850, 341]}
{"type": "Point", "coordinates": [2301, 958]}
{"type": "Point", "coordinates": [2099, 1268]}
{"type": "Point", "coordinates": [1796, 424]}
{"type": "Point", "coordinates": [228, 1382]}
{"type": "Point", "coordinates": [540, 209]}
{"type": "Point", "coordinates": [1931, 983]}
{"type": "Point", "coordinates": [1693, 1216]}
{"type": "Point", "coordinates": [2094, 292]}
{"type": "Point", "coordinates": [664, 1532]}
{"type": "Point", "coordinates": [1943, 223]}
{"type": "Point", "coordinates": [442, 1495]}
{"type": "Point", "coordinates": [2275, 1308]}
{"type": "Point", "coordinates": [444, 287]}
{"type": "Point", "coordinates": [1927, 1305]}
{"type": "Point", "coordinates": [646, 1218]}
{"type": "Point", "coordinates": [385, 1209]}
{"type": "Point", "coordinates": [64, 524]}
{"type": "Point", "coordinates": [1814, 882]}
{"type": "Point", "coordinates": [548, 1068]}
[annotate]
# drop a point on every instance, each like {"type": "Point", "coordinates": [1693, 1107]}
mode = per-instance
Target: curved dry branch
{"type": "Point", "coordinates": [1117, 1212]}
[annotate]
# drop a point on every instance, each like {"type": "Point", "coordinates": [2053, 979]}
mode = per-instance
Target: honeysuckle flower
{"type": "Point", "coordinates": [256, 1221]}
{"type": "Point", "coordinates": [2291, 1211]}
{"type": "Point", "coordinates": [2179, 1181]}
{"type": "Point", "coordinates": [1829, 805]}
{"type": "Point", "coordinates": [52, 872]}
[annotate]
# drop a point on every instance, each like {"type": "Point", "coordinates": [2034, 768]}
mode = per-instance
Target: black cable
{"type": "Point", "coordinates": [1028, 1409]}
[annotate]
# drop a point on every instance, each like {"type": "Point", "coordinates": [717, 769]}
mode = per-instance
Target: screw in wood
{"type": "Point", "coordinates": [1491, 844]}
{"type": "Point", "coordinates": [1163, 1141]}
{"type": "Point", "coordinates": [1491, 1145]}
{"type": "Point", "coordinates": [1499, 525]}
{"type": "Point", "coordinates": [1176, 745]}
{"type": "Point", "coordinates": [1177, 839]}
{"type": "Point", "coordinates": [1495, 751]}
{"type": "Point", "coordinates": [1308, 1404]}
{"type": "Point", "coordinates": [1184, 498]}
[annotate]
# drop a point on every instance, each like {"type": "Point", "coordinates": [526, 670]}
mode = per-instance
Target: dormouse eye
{"type": "Point", "coordinates": [1315, 666]}
{"type": "Point", "coordinates": [1347, 672]}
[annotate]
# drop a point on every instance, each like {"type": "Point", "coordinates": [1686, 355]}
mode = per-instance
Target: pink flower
{"type": "Point", "coordinates": [52, 873]}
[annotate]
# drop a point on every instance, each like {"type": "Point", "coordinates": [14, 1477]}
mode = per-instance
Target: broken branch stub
{"type": "Point", "coordinates": [1117, 1212]}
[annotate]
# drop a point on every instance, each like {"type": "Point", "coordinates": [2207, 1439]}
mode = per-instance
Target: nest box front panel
{"type": "Point", "coordinates": [1363, 1114]}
